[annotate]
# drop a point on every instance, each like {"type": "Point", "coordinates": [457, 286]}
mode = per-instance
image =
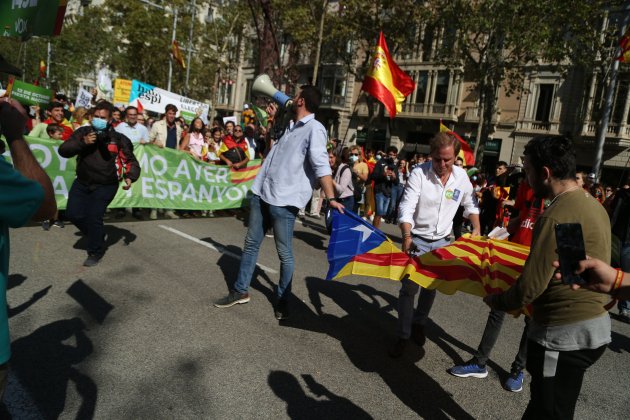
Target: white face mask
{"type": "Point", "coordinates": [354, 159]}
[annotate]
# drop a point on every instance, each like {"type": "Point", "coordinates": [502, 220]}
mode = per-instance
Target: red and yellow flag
{"type": "Point", "coordinates": [42, 69]}
{"type": "Point", "coordinates": [465, 152]}
{"type": "Point", "coordinates": [385, 81]}
{"type": "Point", "coordinates": [177, 54]}
{"type": "Point", "coordinates": [624, 44]}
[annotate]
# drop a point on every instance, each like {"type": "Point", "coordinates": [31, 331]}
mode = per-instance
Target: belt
{"type": "Point", "coordinates": [430, 240]}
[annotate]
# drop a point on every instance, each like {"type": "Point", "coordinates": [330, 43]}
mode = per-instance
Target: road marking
{"type": "Point", "coordinates": [220, 249]}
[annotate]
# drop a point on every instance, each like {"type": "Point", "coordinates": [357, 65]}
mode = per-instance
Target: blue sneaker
{"type": "Point", "coordinates": [514, 382]}
{"type": "Point", "coordinates": [469, 370]}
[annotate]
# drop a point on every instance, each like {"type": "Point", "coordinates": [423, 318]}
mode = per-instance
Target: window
{"type": "Point", "coordinates": [619, 100]}
{"type": "Point", "coordinates": [545, 100]}
{"type": "Point", "coordinates": [441, 87]}
{"type": "Point", "coordinates": [421, 86]}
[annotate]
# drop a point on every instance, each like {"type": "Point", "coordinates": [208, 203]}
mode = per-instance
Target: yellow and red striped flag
{"type": "Point", "coordinates": [624, 44]}
{"type": "Point", "coordinates": [385, 81]}
{"type": "Point", "coordinates": [238, 176]}
{"type": "Point", "coordinates": [478, 266]}
{"type": "Point", "coordinates": [465, 152]}
{"type": "Point", "coordinates": [177, 54]}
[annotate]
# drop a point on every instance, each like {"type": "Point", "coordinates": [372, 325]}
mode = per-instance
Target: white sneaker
{"type": "Point", "coordinates": [153, 214]}
{"type": "Point", "coordinates": [171, 215]}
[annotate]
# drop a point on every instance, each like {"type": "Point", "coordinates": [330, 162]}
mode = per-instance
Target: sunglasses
{"type": "Point", "coordinates": [238, 131]}
{"type": "Point", "coordinates": [354, 154]}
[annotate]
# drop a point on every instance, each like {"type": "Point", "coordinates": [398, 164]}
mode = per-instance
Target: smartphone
{"type": "Point", "coordinates": [570, 243]}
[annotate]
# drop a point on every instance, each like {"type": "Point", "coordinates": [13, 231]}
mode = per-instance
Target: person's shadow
{"type": "Point", "coordinates": [16, 280]}
{"type": "Point", "coordinates": [301, 406]}
{"type": "Point", "coordinates": [44, 364]}
{"type": "Point", "coordinates": [365, 335]}
{"type": "Point", "coordinates": [113, 234]}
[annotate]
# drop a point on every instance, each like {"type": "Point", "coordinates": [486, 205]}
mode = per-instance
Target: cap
{"type": "Point", "coordinates": [6, 67]}
{"type": "Point", "coordinates": [61, 97]}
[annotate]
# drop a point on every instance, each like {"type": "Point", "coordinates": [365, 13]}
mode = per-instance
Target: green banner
{"type": "Point", "coordinates": [25, 18]}
{"type": "Point", "coordinates": [170, 179]}
{"type": "Point", "coordinates": [28, 94]}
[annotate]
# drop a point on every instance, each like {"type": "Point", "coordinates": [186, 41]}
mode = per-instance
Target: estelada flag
{"type": "Point", "coordinates": [624, 44]}
{"type": "Point", "coordinates": [177, 54]}
{"type": "Point", "coordinates": [465, 152]}
{"type": "Point", "coordinates": [478, 266]}
{"type": "Point", "coordinates": [385, 81]}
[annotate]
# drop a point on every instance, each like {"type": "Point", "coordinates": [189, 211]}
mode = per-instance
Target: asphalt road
{"type": "Point", "coordinates": [137, 337]}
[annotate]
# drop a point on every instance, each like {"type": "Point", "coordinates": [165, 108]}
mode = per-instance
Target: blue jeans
{"type": "Point", "coordinates": [624, 305]}
{"type": "Point", "coordinates": [261, 216]}
{"type": "Point", "coordinates": [382, 204]}
{"type": "Point", "coordinates": [406, 315]}
{"type": "Point", "coordinates": [86, 208]}
{"type": "Point", "coordinates": [397, 191]}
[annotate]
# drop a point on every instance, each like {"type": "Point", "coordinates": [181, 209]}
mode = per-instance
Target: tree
{"type": "Point", "coordinates": [495, 41]}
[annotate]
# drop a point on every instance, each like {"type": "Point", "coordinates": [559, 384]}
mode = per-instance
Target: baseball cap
{"type": "Point", "coordinates": [6, 67]}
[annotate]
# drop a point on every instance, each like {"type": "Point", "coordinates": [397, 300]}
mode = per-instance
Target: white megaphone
{"type": "Point", "coordinates": [263, 86]}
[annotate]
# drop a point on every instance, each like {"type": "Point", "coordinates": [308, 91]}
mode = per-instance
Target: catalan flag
{"type": "Point", "coordinates": [465, 152]}
{"type": "Point", "coordinates": [477, 266]}
{"type": "Point", "coordinates": [385, 81]}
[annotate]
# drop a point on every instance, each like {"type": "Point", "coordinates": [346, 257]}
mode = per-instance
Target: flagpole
{"type": "Point", "coordinates": [170, 61]}
{"type": "Point", "coordinates": [602, 128]}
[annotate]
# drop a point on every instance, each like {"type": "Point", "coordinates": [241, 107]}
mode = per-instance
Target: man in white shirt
{"type": "Point", "coordinates": [284, 185]}
{"type": "Point", "coordinates": [433, 193]}
{"type": "Point", "coordinates": [137, 133]}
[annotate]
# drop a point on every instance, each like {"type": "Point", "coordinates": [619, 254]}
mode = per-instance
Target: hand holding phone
{"type": "Point", "coordinates": [570, 249]}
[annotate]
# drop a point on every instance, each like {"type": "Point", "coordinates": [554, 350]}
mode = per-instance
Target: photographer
{"type": "Point", "coordinates": [385, 176]}
{"type": "Point", "coordinates": [104, 157]}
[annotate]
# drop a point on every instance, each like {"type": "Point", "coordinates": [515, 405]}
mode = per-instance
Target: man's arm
{"type": "Point", "coordinates": [471, 208]}
{"type": "Point", "coordinates": [327, 185]}
{"type": "Point", "coordinates": [407, 208]}
{"type": "Point", "coordinates": [12, 120]}
{"type": "Point", "coordinates": [78, 141]}
{"type": "Point", "coordinates": [132, 167]}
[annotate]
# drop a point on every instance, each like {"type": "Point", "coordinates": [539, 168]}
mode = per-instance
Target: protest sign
{"type": "Point", "coordinates": [169, 179]}
{"type": "Point", "coordinates": [25, 18]}
{"type": "Point", "coordinates": [28, 94]}
{"type": "Point", "coordinates": [155, 99]}
{"type": "Point", "coordinates": [84, 99]}
{"type": "Point", "coordinates": [122, 91]}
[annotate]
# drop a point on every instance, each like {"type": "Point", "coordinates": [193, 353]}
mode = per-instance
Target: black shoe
{"type": "Point", "coordinates": [121, 213]}
{"type": "Point", "coordinates": [59, 224]}
{"type": "Point", "coordinates": [92, 260]}
{"type": "Point", "coordinates": [137, 215]}
{"type": "Point", "coordinates": [232, 299]}
{"type": "Point", "coordinates": [46, 225]}
{"type": "Point", "coordinates": [417, 334]}
{"type": "Point", "coordinates": [398, 348]}
{"type": "Point", "coordinates": [281, 311]}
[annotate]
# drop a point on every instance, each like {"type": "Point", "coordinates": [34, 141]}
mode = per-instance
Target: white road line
{"type": "Point", "coordinates": [221, 249]}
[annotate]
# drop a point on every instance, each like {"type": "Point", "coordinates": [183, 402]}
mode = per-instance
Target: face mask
{"type": "Point", "coordinates": [66, 107]}
{"type": "Point", "coordinates": [354, 159]}
{"type": "Point", "coordinates": [99, 124]}
{"type": "Point", "coordinates": [378, 157]}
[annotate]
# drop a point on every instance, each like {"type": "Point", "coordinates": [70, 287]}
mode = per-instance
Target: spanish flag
{"type": "Point", "coordinates": [385, 81]}
{"type": "Point", "coordinates": [177, 54]}
{"type": "Point", "coordinates": [624, 45]}
{"type": "Point", "coordinates": [465, 152]}
{"type": "Point", "coordinates": [42, 69]}
{"type": "Point", "coordinates": [478, 266]}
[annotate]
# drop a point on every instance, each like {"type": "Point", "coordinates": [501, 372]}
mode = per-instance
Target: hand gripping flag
{"type": "Point", "coordinates": [478, 266]}
{"type": "Point", "coordinates": [465, 153]}
{"type": "Point", "coordinates": [386, 81]}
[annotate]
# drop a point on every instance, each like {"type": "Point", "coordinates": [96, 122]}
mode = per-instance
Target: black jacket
{"type": "Point", "coordinates": [96, 163]}
{"type": "Point", "coordinates": [382, 185]}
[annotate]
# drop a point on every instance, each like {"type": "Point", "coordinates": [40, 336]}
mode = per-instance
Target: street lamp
{"type": "Point", "coordinates": [170, 61]}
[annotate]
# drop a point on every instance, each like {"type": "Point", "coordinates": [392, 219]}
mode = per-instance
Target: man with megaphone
{"type": "Point", "coordinates": [284, 185]}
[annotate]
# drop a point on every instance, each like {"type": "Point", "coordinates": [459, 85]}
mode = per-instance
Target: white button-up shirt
{"type": "Point", "coordinates": [430, 206]}
{"type": "Point", "coordinates": [136, 133]}
{"type": "Point", "coordinates": [292, 167]}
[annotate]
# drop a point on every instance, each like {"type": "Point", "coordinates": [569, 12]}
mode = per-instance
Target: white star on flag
{"type": "Point", "coordinates": [365, 231]}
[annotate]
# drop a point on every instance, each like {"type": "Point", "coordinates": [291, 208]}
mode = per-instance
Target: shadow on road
{"type": "Point", "coordinates": [114, 235]}
{"type": "Point", "coordinates": [301, 406]}
{"type": "Point", "coordinates": [16, 280]}
{"type": "Point", "coordinates": [44, 363]}
{"type": "Point", "coordinates": [365, 335]}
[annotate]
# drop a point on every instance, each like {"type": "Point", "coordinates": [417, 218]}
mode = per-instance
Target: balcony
{"type": "Point", "coordinates": [472, 115]}
{"type": "Point", "coordinates": [337, 102]}
{"type": "Point", "coordinates": [420, 111]}
{"type": "Point", "coordinates": [616, 134]}
{"type": "Point", "coordinates": [538, 127]}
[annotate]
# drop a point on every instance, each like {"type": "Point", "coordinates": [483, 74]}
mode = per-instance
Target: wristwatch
{"type": "Point", "coordinates": [333, 199]}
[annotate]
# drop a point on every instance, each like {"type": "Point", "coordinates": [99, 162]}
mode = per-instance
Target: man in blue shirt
{"type": "Point", "coordinates": [284, 185]}
{"type": "Point", "coordinates": [25, 192]}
